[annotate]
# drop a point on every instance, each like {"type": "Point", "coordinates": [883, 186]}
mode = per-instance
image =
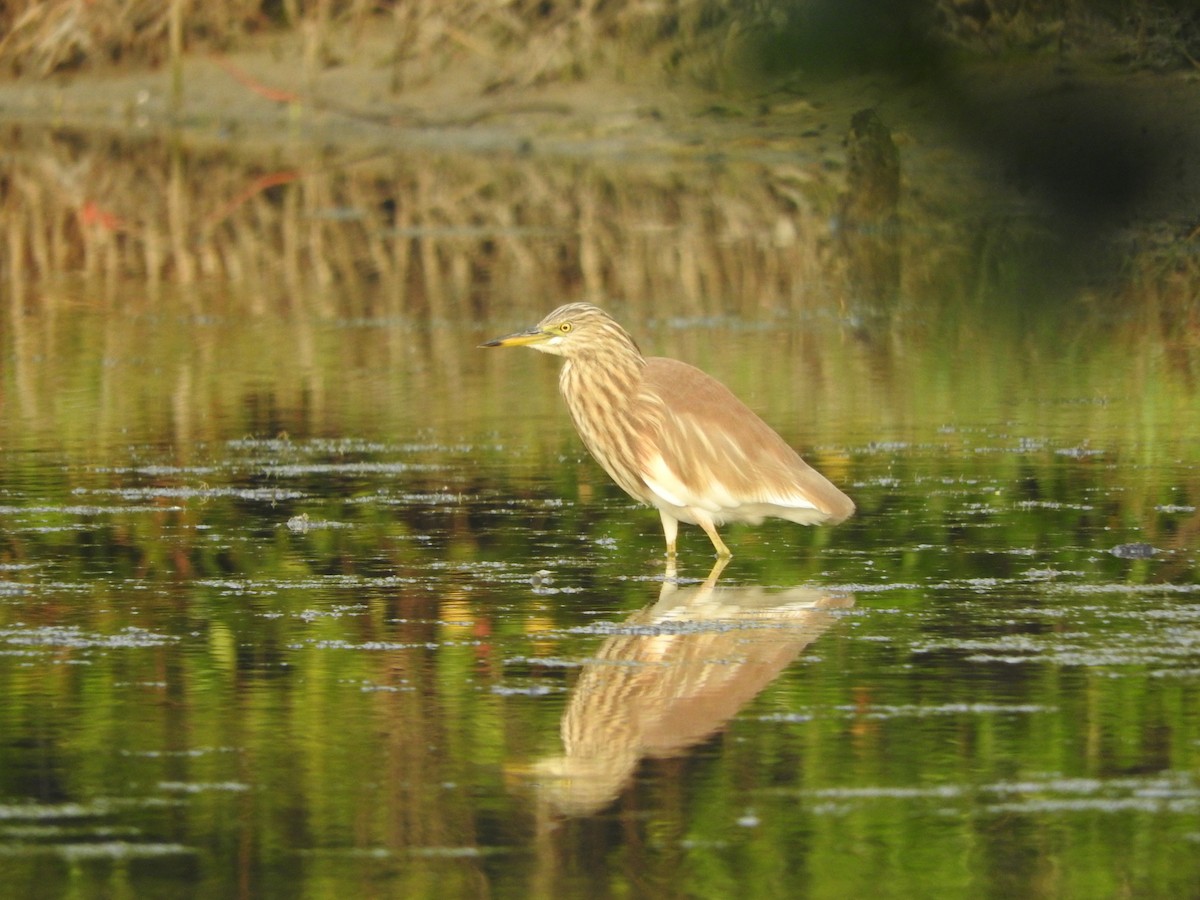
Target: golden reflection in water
{"type": "Point", "coordinates": [375, 232]}
{"type": "Point", "coordinates": [676, 672]}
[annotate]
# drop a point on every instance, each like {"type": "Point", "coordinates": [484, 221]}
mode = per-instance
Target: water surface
{"type": "Point", "coordinates": [302, 594]}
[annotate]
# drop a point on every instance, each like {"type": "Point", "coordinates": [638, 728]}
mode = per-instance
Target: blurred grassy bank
{"type": "Point", "coordinates": [523, 41]}
{"type": "Point", "coordinates": [469, 157]}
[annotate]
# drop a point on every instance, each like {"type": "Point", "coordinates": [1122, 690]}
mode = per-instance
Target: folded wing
{"type": "Point", "coordinates": [723, 459]}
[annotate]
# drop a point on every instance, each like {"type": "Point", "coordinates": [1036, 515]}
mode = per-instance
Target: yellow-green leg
{"type": "Point", "coordinates": [670, 531]}
{"type": "Point", "coordinates": [710, 529]}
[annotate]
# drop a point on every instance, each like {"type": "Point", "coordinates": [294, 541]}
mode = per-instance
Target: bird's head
{"type": "Point", "coordinates": [574, 330]}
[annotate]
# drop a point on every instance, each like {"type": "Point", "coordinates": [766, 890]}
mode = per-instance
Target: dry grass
{"type": "Point", "coordinates": [525, 41]}
{"type": "Point", "coordinates": [522, 42]}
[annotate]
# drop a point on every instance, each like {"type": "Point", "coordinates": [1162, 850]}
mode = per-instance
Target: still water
{"type": "Point", "coordinates": [302, 595]}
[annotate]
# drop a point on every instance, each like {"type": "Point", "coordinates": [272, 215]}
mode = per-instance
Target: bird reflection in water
{"type": "Point", "coordinates": [672, 675]}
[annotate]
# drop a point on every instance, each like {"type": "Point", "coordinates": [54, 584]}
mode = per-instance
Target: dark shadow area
{"type": "Point", "coordinates": [1081, 144]}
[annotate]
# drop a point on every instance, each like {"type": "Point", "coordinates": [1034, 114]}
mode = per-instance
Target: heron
{"type": "Point", "coordinates": [672, 436]}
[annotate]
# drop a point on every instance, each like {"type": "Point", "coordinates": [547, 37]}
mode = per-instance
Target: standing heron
{"type": "Point", "coordinates": [672, 436]}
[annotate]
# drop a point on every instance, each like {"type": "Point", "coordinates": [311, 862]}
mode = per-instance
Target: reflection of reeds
{"type": "Point", "coordinates": [461, 235]}
{"type": "Point", "coordinates": [447, 235]}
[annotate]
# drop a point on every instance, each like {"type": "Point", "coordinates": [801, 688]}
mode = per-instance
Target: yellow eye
{"type": "Point", "coordinates": [565, 327]}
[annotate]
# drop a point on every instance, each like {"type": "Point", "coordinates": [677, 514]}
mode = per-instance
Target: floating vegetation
{"type": "Point", "coordinates": [916, 711]}
{"type": "Point", "coordinates": [300, 470]}
{"type": "Point", "coordinates": [1161, 649]}
{"type": "Point", "coordinates": [1137, 550]}
{"type": "Point", "coordinates": [303, 524]}
{"type": "Point", "coordinates": [191, 787]}
{"type": "Point", "coordinates": [371, 646]}
{"type": "Point", "coordinates": [35, 812]}
{"type": "Point", "coordinates": [199, 492]}
{"type": "Point", "coordinates": [272, 586]}
{"type": "Point", "coordinates": [75, 638]}
{"type": "Point", "coordinates": [532, 690]}
{"type": "Point", "coordinates": [1173, 793]}
{"type": "Point", "coordinates": [84, 510]}
{"type": "Point", "coordinates": [93, 850]}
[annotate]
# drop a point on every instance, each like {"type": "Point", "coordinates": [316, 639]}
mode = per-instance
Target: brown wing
{"type": "Point", "coordinates": [713, 453]}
